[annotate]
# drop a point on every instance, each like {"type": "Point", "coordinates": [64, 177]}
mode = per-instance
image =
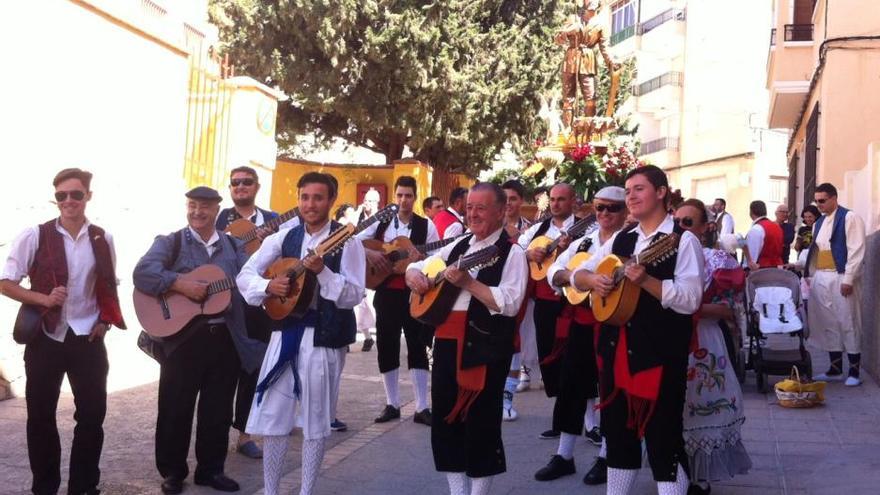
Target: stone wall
{"type": "Point", "coordinates": [871, 306]}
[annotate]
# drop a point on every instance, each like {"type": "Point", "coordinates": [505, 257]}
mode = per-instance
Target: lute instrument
{"type": "Point", "coordinates": [304, 283]}
{"type": "Point", "coordinates": [398, 253]}
{"type": "Point", "coordinates": [166, 314]}
{"type": "Point", "coordinates": [619, 305]}
{"type": "Point", "coordinates": [434, 306]}
{"type": "Point", "coordinates": [538, 271]}
{"type": "Point", "coordinates": [245, 230]}
{"type": "Point", "coordinates": [571, 293]}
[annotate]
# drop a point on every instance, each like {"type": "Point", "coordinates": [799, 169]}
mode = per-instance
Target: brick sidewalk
{"type": "Point", "coordinates": [831, 449]}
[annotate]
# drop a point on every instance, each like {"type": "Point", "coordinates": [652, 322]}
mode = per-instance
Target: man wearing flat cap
{"type": "Point", "coordinates": [202, 360]}
{"type": "Point", "coordinates": [579, 385]}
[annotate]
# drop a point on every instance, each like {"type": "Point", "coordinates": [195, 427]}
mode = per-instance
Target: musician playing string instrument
{"type": "Point", "coordinates": [643, 364]}
{"type": "Point", "coordinates": [473, 346]}
{"type": "Point", "coordinates": [204, 359]}
{"type": "Point", "coordinates": [578, 386]}
{"type": "Point", "coordinates": [300, 367]}
{"type": "Point", "coordinates": [393, 295]}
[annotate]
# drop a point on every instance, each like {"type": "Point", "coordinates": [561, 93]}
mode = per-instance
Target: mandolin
{"type": "Point", "coordinates": [434, 306]}
{"type": "Point", "coordinates": [619, 305]}
{"type": "Point", "coordinates": [397, 252]}
{"type": "Point", "coordinates": [304, 283]}
{"type": "Point", "coordinates": [245, 230]}
{"type": "Point", "coordinates": [538, 271]}
{"type": "Point", "coordinates": [166, 314]}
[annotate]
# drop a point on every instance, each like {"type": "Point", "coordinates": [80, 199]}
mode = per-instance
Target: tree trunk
{"type": "Point", "coordinates": [443, 182]}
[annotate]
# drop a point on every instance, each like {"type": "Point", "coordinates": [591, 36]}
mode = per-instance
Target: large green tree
{"type": "Point", "coordinates": [450, 79]}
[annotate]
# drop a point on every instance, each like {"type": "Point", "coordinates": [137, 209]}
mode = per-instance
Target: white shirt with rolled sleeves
{"type": "Point", "coordinates": [80, 310]}
{"type": "Point", "coordinates": [684, 292]}
{"type": "Point", "coordinates": [855, 243]}
{"type": "Point", "coordinates": [509, 293]}
{"type": "Point", "coordinates": [566, 256]}
{"type": "Point", "coordinates": [552, 232]}
{"type": "Point", "coordinates": [754, 241]}
{"type": "Point", "coordinates": [280, 411]}
{"type": "Point", "coordinates": [456, 229]}
{"type": "Point", "coordinates": [396, 229]}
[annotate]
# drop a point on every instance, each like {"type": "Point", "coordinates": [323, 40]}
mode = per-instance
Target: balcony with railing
{"type": "Point", "coordinates": [790, 66]}
{"type": "Point", "coordinates": [623, 34]}
{"type": "Point", "coordinates": [662, 152]}
{"type": "Point", "coordinates": [660, 19]}
{"type": "Point", "coordinates": [798, 32]}
{"type": "Point", "coordinates": [653, 84]}
{"type": "Point", "coordinates": [660, 94]}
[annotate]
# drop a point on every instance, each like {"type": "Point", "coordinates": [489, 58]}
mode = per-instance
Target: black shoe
{"type": "Point", "coordinates": [337, 425]}
{"type": "Point", "coordinates": [593, 436]}
{"type": "Point", "coordinates": [556, 468]}
{"type": "Point", "coordinates": [172, 485]}
{"type": "Point", "coordinates": [390, 412]}
{"type": "Point", "coordinates": [219, 482]}
{"type": "Point", "coordinates": [368, 344]}
{"type": "Point", "coordinates": [699, 490]}
{"type": "Point", "coordinates": [423, 417]}
{"type": "Point", "coordinates": [549, 435]}
{"type": "Point", "coordinates": [598, 474]}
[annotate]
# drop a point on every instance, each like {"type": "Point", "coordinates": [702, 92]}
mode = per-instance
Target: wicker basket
{"type": "Point", "coordinates": [794, 393]}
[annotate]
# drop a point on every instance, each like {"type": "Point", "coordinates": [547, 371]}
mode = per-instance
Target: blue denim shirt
{"type": "Point", "coordinates": [152, 276]}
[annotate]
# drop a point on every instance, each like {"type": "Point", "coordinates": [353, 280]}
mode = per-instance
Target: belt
{"type": "Point", "coordinates": [825, 261]}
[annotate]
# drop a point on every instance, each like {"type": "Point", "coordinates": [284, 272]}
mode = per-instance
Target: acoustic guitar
{"type": "Point", "coordinates": [434, 306]}
{"type": "Point", "coordinates": [166, 314]}
{"type": "Point", "coordinates": [245, 230]}
{"type": "Point", "coordinates": [538, 271]}
{"type": "Point", "coordinates": [619, 305]}
{"type": "Point", "coordinates": [304, 283]}
{"type": "Point", "coordinates": [571, 293]}
{"type": "Point", "coordinates": [397, 252]}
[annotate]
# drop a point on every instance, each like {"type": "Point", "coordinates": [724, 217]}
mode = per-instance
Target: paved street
{"type": "Point", "coordinates": [832, 449]}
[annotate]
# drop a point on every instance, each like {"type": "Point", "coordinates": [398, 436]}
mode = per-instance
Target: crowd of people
{"type": "Point", "coordinates": [659, 381]}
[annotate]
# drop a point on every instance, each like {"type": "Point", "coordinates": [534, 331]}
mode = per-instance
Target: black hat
{"type": "Point", "coordinates": [204, 193]}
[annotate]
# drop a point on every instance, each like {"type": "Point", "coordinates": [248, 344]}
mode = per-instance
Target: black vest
{"type": "Point", "coordinates": [654, 334]}
{"type": "Point", "coordinates": [488, 338]}
{"type": "Point", "coordinates": [418, 229]}
{"type": "Point", "coordinates": [545, 226]}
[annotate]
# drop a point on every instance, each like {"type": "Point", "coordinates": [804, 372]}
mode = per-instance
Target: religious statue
{"type": "Point", "coordinates": [581, 36]}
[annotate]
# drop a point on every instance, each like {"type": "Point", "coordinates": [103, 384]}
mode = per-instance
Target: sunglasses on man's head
{"type": "Point", "coordinates": [684, 221]}
{"type": "Point", "coordinates": [611, 208]}
{"type": "Point", "coordinates": [74, 195]}
{"type": "Point", "coordinates": [241, 182]}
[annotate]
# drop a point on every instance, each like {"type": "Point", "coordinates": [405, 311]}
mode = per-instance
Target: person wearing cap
{"type": "Point", "coordinates": [203, 359]}
{"type": "Point", "coordinates": [70, 263]}
{"type": "Point", "coordinates": [579, 380]}
{"type": "Point", "coordinates": [299, 377]}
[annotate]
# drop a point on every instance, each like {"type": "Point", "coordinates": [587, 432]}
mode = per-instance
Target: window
{"type": "Point", "coordinates": [623, 21]}
{"type": "Point", "coordinates": [811, 156]}
{"type": "Point", "coordinates": [778, 188]}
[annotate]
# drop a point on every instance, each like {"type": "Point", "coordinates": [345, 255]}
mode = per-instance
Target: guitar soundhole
{"type": "Point", "coordinates": [421, 299]}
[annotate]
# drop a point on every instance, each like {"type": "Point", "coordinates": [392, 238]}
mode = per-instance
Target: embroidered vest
{"type": "Point", "coordinates": [336, 327]}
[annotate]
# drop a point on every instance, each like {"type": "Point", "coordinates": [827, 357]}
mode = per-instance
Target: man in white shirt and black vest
{"type": "Point", "coordinates": [71, 266]}
{"type": "Point", "coordinates": [300, 373]}
{"type": "Point", "coordinates": [578, 387]}
{"type": "Point", "coordinates": [643, 364]}
{"type": "Point", "coordinates": [473, 347]}
{"type": "Point", "coordinates": [390, 299]}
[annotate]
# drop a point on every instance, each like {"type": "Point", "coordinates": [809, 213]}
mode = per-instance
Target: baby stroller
{"type": "Point", "coordinates": [774, 317]}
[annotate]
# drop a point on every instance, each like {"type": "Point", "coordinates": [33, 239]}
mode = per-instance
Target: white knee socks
{"type": "Point", "coordinates": [603, 450]}
{"type": "Point", "coordinates": [392, 387]}
{"type": "Point", "coordinates": [420, 388]}
{"type": "Point", "coordinates": [566, 445]}
{"type": "Point", "coordinates": [480, 486]}
{"type": "Point", "coordinates": [458, 483]}
{"type": "Point", "coordinates": [621, 481]}
{"type": "Point", "coordinates": [312, 455]}
{"type": "Point", "coordinates": [274, 451]}
{"type": "Point", "coordinates": [677, 487]}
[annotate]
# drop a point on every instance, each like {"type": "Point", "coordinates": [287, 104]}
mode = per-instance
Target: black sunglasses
{"type": "Point", "coordinates": [684, 221]}
{"type": "Point", "coordinates": [74, 195]}
{"type": "Point", "coordinates": [611, 208]}
{"type": "Point", "coordinates": [822, 201]}
{"type": "Point", "coordinates": [240, 182]}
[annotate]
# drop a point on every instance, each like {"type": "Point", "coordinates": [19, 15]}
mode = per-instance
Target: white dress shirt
{"type": "Point", "coordinates": [552, 232]}
{"type": "Point", "coordinates": [510, 291]}
{"type": "Point", "coordinates": [855, 243]}
{"type": "Point", "coordinates": [566, 256]}
{"type": "Point", "coordinates": [345, 289]}
{"type": "Point", "coordinates": [210, 245]}
{"type": "Point", "coordinates": [80, 310]}
{"type": "Point", "coordinates": [396, 229]}
{"type": "Point", "coordinates": [683, 293]}
{"type": "Point", "coordinates": [727, 225]}
{"type": "Point", "coordinates": [754, 241]}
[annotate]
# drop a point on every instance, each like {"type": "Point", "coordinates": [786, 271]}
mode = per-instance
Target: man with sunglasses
{"type": "Point", "coordinates": [243, 188]}
{"type": "Point", "coordinates": [71, 266]}
{"type": "Point", "coordinates": [578, 388]}
{"type": "Point", "coordinates": [835, 263]}
{"type": "Point", "coordinates": [763, 241]}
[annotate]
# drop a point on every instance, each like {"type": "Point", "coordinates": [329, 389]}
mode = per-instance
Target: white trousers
{"type": "Point", "coordinates": [834, 319]}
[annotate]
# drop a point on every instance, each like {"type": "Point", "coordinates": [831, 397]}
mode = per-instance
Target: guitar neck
{"type": "Point", "coordinates": [482, 258]}
{"type": "Point", "coordinates": [220, 285]}
{"type": "Point", "coordinates": [578, 228]}
{"type": "Point", "coordinates": [424, 248]}
{"type": "Point", "coordinates": [280, 219]}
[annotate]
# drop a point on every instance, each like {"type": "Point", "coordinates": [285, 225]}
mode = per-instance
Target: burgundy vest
{"type": "Point", "coordinates": [49, 270]}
